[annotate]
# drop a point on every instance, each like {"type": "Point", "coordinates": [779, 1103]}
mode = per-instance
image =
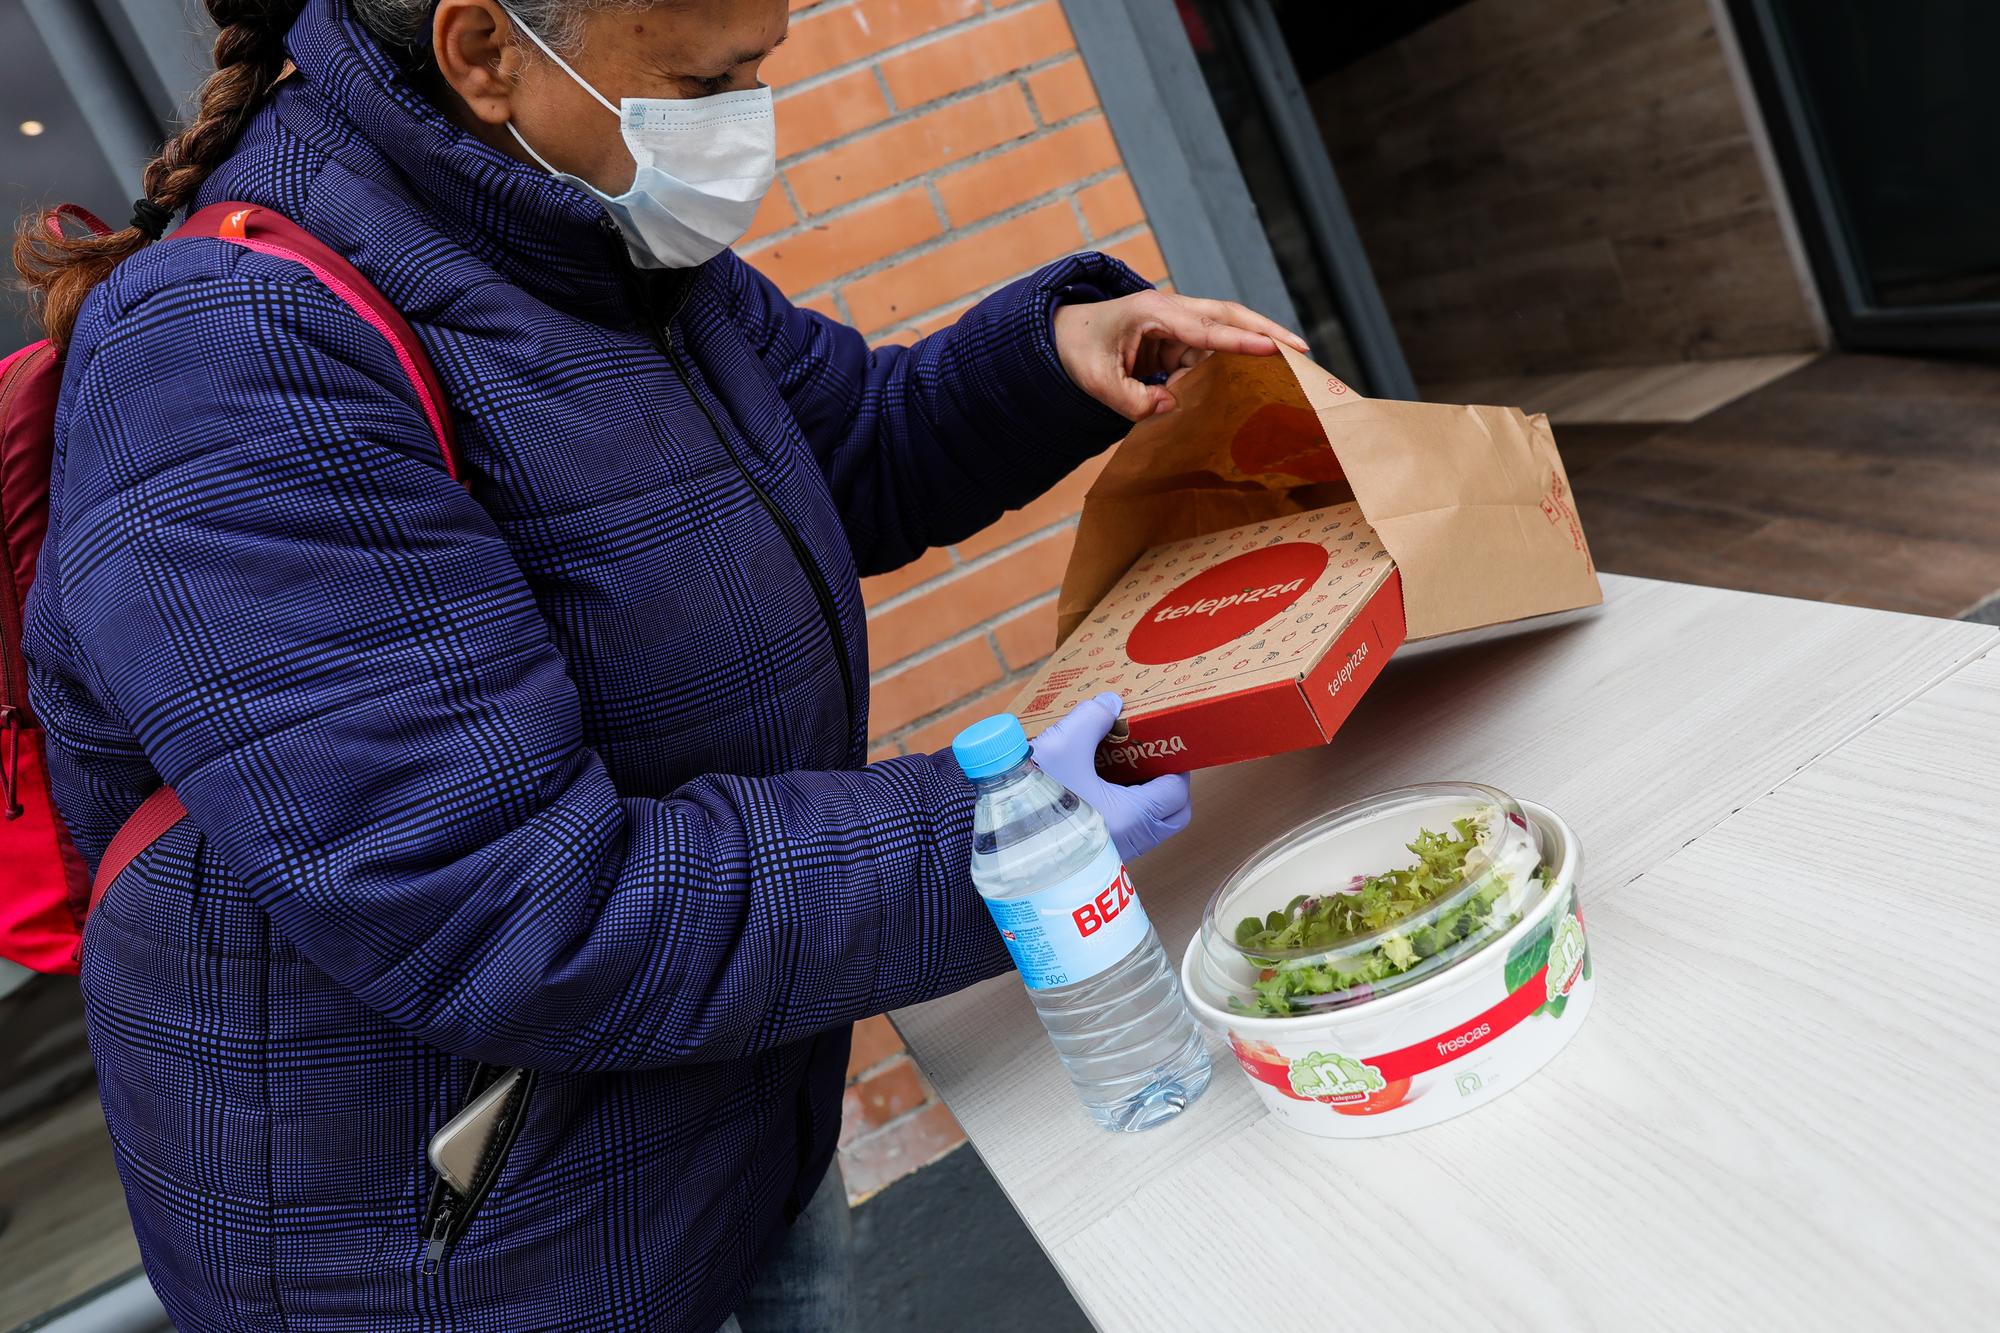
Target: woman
{"type": "Point", "coordinates": [562, 769]}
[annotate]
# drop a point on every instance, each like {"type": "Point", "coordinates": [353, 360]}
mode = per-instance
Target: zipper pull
{"type": "Point", "coordinates": [10, 761]}
{"type": "Point", "coordinates": [434, 1251]}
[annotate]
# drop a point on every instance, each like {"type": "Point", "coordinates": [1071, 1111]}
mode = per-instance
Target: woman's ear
{"type": "Point", "coordinates": [472, 42]}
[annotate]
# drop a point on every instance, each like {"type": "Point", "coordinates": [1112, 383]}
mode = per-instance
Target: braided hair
{"type": "Point", "coordinates": [60, 269]}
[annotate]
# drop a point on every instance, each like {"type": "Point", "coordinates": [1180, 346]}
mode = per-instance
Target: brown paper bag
{"type": "Point", "coordinates": [1471, 502]}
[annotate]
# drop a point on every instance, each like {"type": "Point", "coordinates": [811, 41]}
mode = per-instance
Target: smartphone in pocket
{"type": "Point", "coordinates": [458, 1149]}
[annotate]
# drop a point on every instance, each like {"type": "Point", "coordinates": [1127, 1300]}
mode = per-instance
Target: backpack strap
{"type": "Point", "coordinates": [272, 233]}
{"type": "Point", "coordinates": [269, 232]}
{"type": "Point", "coordinates": [148, 824]}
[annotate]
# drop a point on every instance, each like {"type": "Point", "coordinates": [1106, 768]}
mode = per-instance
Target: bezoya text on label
{"type": "Point", "coordinates": [1209, 606]}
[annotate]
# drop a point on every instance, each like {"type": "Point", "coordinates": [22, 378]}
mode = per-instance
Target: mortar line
{"type": "Point", "coordinates": [972, 566]}
{"type": "Point", "coordinates": [958, 640]}
{"type": "Point", "coordinates": [847, 208]}
{"type": "Point", "coordinates": [1012, 681]}
{"type": "Point", "coordinates": [904, 115]}
{"type": "Point", "coordinates": [969, 23]}
{"type": "Point", "coordinates": [886, 332]}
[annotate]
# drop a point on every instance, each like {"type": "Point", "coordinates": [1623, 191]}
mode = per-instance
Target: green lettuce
{"type": "Point", "coordinates": [1370, 906]}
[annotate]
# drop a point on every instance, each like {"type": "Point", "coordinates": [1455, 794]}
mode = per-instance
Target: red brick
{"type": "Point", "coordinates": [881, 752]}
{"type": "Point", "coordinates": [877, 1160]}
{"type": "Point", "coordinates": [1142, 252]}
{"type": "Point", "coordinates": [1028, 637]}
{"type": "Point", "coordinates": [926, 281]}
{"type": "Point", "coordinates": [817, 115]}
{"type": "Point", "coordinates": [826, 250]}
{"type": "Point", "coordinates": [872, 1102]}
{"type": "Point", "coordinates": [797, 5]}
{"type": "Point", "coordinates": [923, 689]}
{"type": "Point", "coordinates": [935, 736]}
{"type": "Point", "coordinates": [1062, 91]}
{"type": "Point", "coordinates": [1054, 505]}
{"type": "Point", "coordinates": [875, 1040]}
{"type": "Point", "coordinates": [1019, 174]}
{"type": "Point", "coordinates": [774, 214]}
{"type": "Point", "coordinates": [927, 566]}
{"type": "Point", "coordinates": [977, 53]}
{"type": "Point", "coordinates": [1110, 206]}
{"type": "Point", "coordinates": [896, 153]}
{"type": "Point", "coordinates": [820, 42]}
{"type": "Point", "coordinates": [959, 603]}
{"type": "Point", "coordinates": [823, 305]}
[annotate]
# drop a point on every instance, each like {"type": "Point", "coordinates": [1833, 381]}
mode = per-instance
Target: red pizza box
{"type": "Point", "coordinates": [1236, 644]}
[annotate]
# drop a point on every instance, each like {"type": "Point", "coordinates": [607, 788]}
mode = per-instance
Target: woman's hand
{"type": "Point", "coordinates": [1112, 348]}
{"type": "Point", "coordinates": [1141, 817]}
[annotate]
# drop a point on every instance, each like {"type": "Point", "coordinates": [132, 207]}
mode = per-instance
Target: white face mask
{"type": "Point", "coordinates": [703, 166]}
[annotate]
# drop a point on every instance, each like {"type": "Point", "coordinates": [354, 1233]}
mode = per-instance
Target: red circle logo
{"type": "Point", "coordinates": [1226, 602]}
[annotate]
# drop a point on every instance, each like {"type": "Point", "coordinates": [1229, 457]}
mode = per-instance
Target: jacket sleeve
{"type": "Point", "coordinates": [325, 645]}
{"type": "Point", "coordinates": [925, 445]}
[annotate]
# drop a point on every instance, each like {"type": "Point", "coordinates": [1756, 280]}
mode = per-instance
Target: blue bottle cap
{"type": "Point", "coordinates": [990, 745]}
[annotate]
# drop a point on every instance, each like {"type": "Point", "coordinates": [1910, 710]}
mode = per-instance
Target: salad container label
{"type": "Point", "coordinates": [1399, 961]}
{"type": "Point", "coordinates": [1072, 930]}
{"type": "Point", "coordinates": [1313, 1084]}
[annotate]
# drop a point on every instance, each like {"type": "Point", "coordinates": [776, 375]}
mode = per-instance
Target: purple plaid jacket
{"type": "Point", "coordinates": [565, 772]}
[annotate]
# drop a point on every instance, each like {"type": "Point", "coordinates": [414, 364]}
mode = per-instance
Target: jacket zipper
{"type": "Point", "coordinates": [448, 1214]}
{"type": "Point", "coordinates": [668, 338]}
{"type": "Point", "coordinates": [440, 1234]}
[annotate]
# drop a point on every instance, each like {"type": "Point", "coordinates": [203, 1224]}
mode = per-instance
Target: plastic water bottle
{"type": "Point", "coordinates": [1057, 887]}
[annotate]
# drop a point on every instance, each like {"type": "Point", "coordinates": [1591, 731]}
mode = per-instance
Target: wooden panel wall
{"type": "Point", "coordinates": [1548, 185]}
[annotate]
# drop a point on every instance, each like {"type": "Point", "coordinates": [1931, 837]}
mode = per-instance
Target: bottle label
{"type": "Point", "coordinates": [1072, 930]}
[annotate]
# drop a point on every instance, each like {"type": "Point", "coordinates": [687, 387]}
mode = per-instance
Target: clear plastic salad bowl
{"type": "Point", "coordinates": [1370, 899]}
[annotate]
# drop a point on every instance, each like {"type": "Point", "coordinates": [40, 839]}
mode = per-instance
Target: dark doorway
{"type": "Point", "coordinates": [1886, 119]}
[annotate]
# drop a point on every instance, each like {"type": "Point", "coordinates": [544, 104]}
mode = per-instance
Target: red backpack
{"type": "Point", "coordinates": [46, 890]}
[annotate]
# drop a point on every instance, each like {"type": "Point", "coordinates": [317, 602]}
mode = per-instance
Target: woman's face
{"type": "Point", "coordinates": [672, 48]}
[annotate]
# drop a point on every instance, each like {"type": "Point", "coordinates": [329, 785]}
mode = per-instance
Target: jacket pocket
{"type": "Point", "coordinates": [449, 1210]}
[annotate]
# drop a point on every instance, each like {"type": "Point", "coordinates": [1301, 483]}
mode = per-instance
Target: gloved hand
{"type": "Point", "coordinates": [1140, 817]}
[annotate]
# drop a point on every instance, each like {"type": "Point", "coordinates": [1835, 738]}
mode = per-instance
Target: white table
{"type": "Point", "coordinates": [1773, 1117]}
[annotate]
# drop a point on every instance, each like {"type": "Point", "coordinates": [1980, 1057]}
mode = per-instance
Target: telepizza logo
{"type": "Point", "coordinates": [1347, 670]}
{"type": "Point", "coordinates": [1225, 602]}
{"type": "Point", "coordinates": [1209, 606]}
{"type": "Point", "coordinates": [1129, 755]}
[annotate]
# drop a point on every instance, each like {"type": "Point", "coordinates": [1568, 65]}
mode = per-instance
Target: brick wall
{"type": "Point", "coordinates": [931, 151]}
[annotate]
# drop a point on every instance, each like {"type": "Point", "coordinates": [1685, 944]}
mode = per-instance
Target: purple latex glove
{"type": "Point", "coordinates": [1141, 817]}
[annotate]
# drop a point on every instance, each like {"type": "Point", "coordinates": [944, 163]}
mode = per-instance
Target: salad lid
{"type": "Point", "coordinates": [1370, 899]}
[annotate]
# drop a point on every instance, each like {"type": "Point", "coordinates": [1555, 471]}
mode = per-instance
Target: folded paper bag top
{"type": "Point", "coordinates": [1471, 503]}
